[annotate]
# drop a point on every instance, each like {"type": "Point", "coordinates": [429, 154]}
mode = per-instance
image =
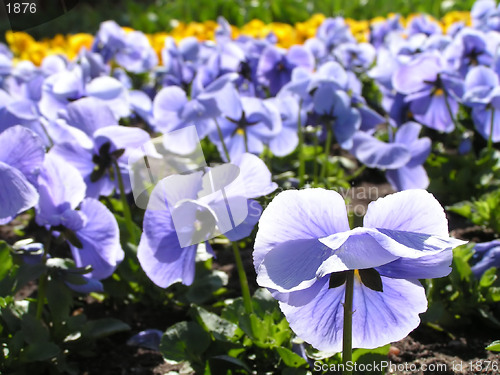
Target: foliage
{"type": "Point", "coordinates": [36, 346]}
{"type": "Point", "coordinates": [233, 342]}
{"type": "Point", "coordinates": [483, 211]}
{"type": "Point", "coordinates": [460, 299]}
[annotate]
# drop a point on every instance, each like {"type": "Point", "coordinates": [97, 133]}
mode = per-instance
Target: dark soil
{"type": "Point", "coordinates": [427, 351]}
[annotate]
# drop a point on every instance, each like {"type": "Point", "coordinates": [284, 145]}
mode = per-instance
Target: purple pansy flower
{"type": "Point", "coordinates": [185, 210]}
{"type": "Point", "coordinates": [149, 338]}
{"type": "Point", "coordinates": [485, 15]}
{"type": "Point", "coordinates": [172, 110]}
{"type": "Point", "coordinates": [287, 140]}
{"type": "Point", "coordinates": [5, 62]}
{"type": "Point", "coordinates": [137, 55]}
{"type": "Point", "coordinates": [21, 156]}
{"type": "Point", "coordinates": [355, 56]}
{"type": "Point", "coordinates": [60, 89]}
{"type": "Point", "coordinates": [482, 93]}
{"type": "Point", "coordinates": [332, 107]}
{"type": "Point", "coordinates": [63, 207]}
{"type": "Point", "coordinates": [430, 88]}
{"type": "Point", "coordinates": [402, 158]}
{"type": "Point", "coordinates": [423, 24]}
{"type": "Point", "coordinates": [180, 61]}
{"type": "Point", "coordinates": [275, 66]}
{"type": "Point", "coordinates": [131, 50]}
{"type": "Point", "coordinates": [487, 255]}
{"type": "Point", "coordinates": [93, 142]}
{"type": "Point", "coordinates": [304, 238]}
{"type": "Point", "coordinates": [379, 30]}
{"type": "Point", "coordinates": [468, 49]}
{"type": "Point", "coordinates": [257, 122]}
{"type": "Point", "coordinates": [333, 32]}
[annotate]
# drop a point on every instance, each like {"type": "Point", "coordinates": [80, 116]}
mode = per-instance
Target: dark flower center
{"type": "Point", "coordinates": [104, 160]}
{"type": "Point", "coordinates": [242, 123]}
{"type": "Point", "coordinates": [245, 70]}
{"type": "Point", "coordinates": [368, 277]}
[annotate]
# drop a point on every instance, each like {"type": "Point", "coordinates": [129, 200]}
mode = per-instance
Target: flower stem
{"type": "Point", "coordinates": [315, 171]}
{"type": "Point", "coordinates": [302, 163]}
{"type": "Point", "coordinates": [126, 209]}
{"type": "Point", "coordinates": [221, 137]}
{"type": "Point", "coordinates": [457, 124]}
{"type": "Point", "coordinates": [492, 123]}
{"type": "Point", "coordinates": [328, 144]}
{"type": "Point", "coordinates": [245, 138]}
{"type": "Point", "coordinates": [245, 291]}
{"type": "Point", "coordinates": [42, 282]}
{"type": "Point", "coordinates": [347, 332]}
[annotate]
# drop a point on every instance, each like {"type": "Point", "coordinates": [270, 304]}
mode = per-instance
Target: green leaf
{"type": "Point", "coordinates": [358, 353]}
{"type": "Point", "coordinates": [222, 329]}
{"type": "Point", "coordinates": [494, 346]}
{"type": "Point", "coordinates": [184, 341]}
{"type": "Point", "coordinates": [264, 303]}
{"type": "Point", "coordinates": [40, 351]}
{"type": "Point", "coordinates": [371, 356]}
{"type": "Point", "coordinates": [494, 293]}
{"type": "Point", "coordinates": [5, 259]}
{"type": "Point", "coordinates": [59, 299]}
{"type": "Point", "coordinates": [234, 361]}
{"type": "Point", "coordinates": [34, 331]}
{"type": "Point", "coordinates": [203, 288]}
{"type": "Point", "coordinates": [104, 327]}
{"type": "Point", "coordinates": [290, 358]}
{"type": "Point", "coordinates": [125, 236]}
{"type": "Point", "coordinates": [28, 272]}
{"type": "Point", "coordinates": [488, 277]}
{"type": "Point", "coordinates": [463, 209]}
{"type": "Point", "coordinates": [461, 256]}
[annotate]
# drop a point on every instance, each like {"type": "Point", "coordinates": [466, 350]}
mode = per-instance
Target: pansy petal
{"type": "Point", "coordinates": [167, 106]}
{"type": "Point", "coordinates": [255, 175]}
{"type": "Point", "coordinates": [91, 286]}
{"type": "Point", "coordinates": [245, 228]}
{"type": "Point", "coordinates": [316, 314]}
{"type": "Point", "coordinates": [388, 316]}
{"type": "Point", "coordinates": [22, 149]}
{"type": "Point", "coordinates": [417, 211]}
{"type": "Point", "coordinates": [76, 155]}
{"type": "Point", "coordinates": [61, 187]}
{"type": "Point", "coordinates": [16, 193]}
{"type": "Point", "coordinates": [426, 267]}
{"type": "Point", "coordinates": [292, 265]}
{"type": "Point", "coordinates": [408, 177]}
{"type": "Point", "coordinates": [412, 245]}
{"type": "Point", "coordinates": [89, 114]}
{"type": "Point", "coordinates": [413, 76]}
{"type": "Point", "coordinates": [377, 154]}
{"type": "Point", "coordinates": [285, 142]}
{"type": "Point", "coordinates": [160, 253]}
{"type": "Point", "coordinates": [354, 250]}
{"type": "Point", "coordinates": [437, 115]}
{"type": "Point", "coordinates": [100, 239]}
{"type": "Point", "coordinates": [408, 133]}
{"type": "Point", "coordinates": [122, 137]}
{"type": "Point", "coordinates": [283, 219]}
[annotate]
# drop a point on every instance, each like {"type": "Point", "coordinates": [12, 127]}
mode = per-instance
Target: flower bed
{"type": "Point", "coordinates": [231, 206]}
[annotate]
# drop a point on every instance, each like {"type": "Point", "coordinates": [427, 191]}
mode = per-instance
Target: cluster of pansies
{"type": "Point", "coordinates": [69, 126]}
